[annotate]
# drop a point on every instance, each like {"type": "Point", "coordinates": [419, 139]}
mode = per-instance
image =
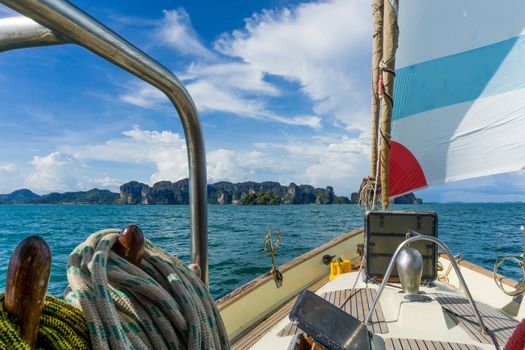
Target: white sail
{"type": "Point", "coordinates": [459, 95]}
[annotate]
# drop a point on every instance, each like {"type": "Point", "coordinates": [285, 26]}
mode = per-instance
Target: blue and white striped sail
{"type": "Point", "coordinates": [459, 92]}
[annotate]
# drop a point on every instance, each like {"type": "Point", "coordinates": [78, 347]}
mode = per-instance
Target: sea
{"type": "Point", "coordinates": [479, 232]}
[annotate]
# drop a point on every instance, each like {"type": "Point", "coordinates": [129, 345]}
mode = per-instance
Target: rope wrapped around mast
{"type": "Point", "coordinates": [160, 304]}
{"type": "Point", "coordinates": [368, 190]}
{"type": "Point", "coordinates": [386, 89]}
{"type": "Point", "coordinates": [385, 38]}
{"type": "Point", "coordinates": [377, 54]}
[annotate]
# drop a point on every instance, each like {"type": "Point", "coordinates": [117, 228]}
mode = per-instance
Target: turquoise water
{"type": "Point", "coordinates": [236, 233]}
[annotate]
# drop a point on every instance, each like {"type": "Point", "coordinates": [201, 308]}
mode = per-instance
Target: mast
{"type": "Point", "coordinates": [369, 187]}
{"type": "Point", "coordinates": [386, 89]}
{"type": "Point", "coordinates": [377, 53]}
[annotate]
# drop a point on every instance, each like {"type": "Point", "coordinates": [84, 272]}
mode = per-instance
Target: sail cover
{"type": "Point", "coordinates": [459, 92]}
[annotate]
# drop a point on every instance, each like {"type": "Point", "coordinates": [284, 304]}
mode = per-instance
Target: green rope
{"type": "Point", "coordinates": [62, 327]}
{"type": "Point", "coordinates": [160, 304]}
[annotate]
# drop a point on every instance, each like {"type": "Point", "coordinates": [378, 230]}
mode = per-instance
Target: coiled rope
{"type": "Point", "coordinates": [367, 192]}
{"type": "Point", "coordinates": [62, 327]}
{"type": "Point", "coordinates": [160, 304]}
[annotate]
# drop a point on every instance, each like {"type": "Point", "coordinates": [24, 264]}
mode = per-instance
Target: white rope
{"type": "Point", "coordinates": [394, 5]}
{"type": "Point", "coordinates": [160, 304]}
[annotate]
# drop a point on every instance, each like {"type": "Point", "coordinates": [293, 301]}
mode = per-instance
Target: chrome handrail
{"type": "Point", "coordinates": [67, 23]}
{"type": "Point", "coordinates": [420, 237]}
{"type": "Point", "coordinates": [20, 32]}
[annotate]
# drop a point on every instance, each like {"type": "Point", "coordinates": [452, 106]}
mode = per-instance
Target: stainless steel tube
{"type": "Point", "coordinates": [420, 237]}
{"type": "Point", "coordinates": [75, 26]}
{"type": "Point", "coordinates": [19, 32]}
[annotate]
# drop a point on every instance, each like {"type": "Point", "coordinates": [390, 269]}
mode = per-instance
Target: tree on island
{"type": "Point", "coordinates": [260, 198]}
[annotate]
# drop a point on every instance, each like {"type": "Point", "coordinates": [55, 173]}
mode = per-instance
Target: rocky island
{"type": "Point", "coordinates": [166, 192]}
{"type": "Point", "coordinates": [408, 198]}
{"type": "Point", "coordinates": [247, 193]}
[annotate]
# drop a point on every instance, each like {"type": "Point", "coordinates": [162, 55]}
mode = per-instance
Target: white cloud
{"type": "Point", "coordinates": [211, 97]}
{"type": "Point", "coordinates": [330, 160]}
{"type": "Point", "coordinates": [333, 160]}
{"type": "Point", "coordinates": [54, 172]}
{"type": "Point", "coordinates": [144, 95]}
{"type": "Point", "coordinates": [238, 166]}
{"type": "Point", "coordinates": [63, 172]}
{"type": "Point", "coordinates": [167, 152]}
{"type": "Point", "coordinates": [324, 46]}
{"type": "Point", "coordinates": [10, 178]}
{"type": "Point", "coordinates": [234, 75]}
{"type": "Point", "coordinates": [70, 168]}
{"type": "Point", "coordinates": [8, 168]}
{"type": "Point", "coordinates": [216, 83]}
{"type": "Point", "coordinates": [107, 182]}
{"type": "Point", "coordinates": [176, 30]}
{"type": "Point", "coordinates": [164, 149]}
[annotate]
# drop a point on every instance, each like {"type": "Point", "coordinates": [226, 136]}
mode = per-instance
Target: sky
{"type": "Point", "coordinates": [282, 89]}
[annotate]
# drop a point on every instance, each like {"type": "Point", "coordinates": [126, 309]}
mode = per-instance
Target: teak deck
{"type": "Point", "coordinates": [358, 306]}
{"type": "Point", "coordinates": [252, 335]}
{"type": "Point", "coordinates": [500, 326]}
{"type": "Point", "coordinates": [418, 344]}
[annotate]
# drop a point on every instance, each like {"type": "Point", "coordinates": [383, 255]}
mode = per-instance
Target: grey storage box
{"type": "Point", "coordinates": [385, 230]}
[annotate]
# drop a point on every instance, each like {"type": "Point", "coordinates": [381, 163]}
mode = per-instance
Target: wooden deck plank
{"type": "Point", "coordinates": [353, 301]}
{"type": "Point", "coordinates": [370, 300]}
{"type": "Point", "coordinates": [499, 325]}
{"type": "Point", "coordinates": [340, 298]}
{"type": "Point", "coordinates": [430, 345]}
{"type": "Point", "coordinates": [420, 344]}
{"type": "Point", "coordinates": [249, 337]}
{"type": "Point", "coordinates": [365, 302]}
{"type": "Point", "coordinates": [455, 346]}
{"type": "Point", "coordinates": [358, 306]}
{"type": "Point", "coordinates": [495, 322]}
{"type": "Point", "coordinates": [446, 346]}
{"type": "Point", "coordinates": [412, 344]}
{"type": "Point", "coordinates": [438, 345]}
{"type": "Point", "coordinates": [404, 344]}
{"type": "Point", "coordinates": [389, 344]}
{"type": "Point", "coordinates": [464, 315]}
{"type": "Point", "coordinates": [378, 317]}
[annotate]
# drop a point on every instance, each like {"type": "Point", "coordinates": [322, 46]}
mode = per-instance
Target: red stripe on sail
{"type": "Point", "coordinates": [406, 175]}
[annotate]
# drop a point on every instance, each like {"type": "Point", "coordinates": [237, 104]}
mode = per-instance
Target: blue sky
{"type": "Point", "coordinates": [282, 89]}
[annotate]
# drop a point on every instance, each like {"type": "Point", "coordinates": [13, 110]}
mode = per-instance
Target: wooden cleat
{"type": "Point", "coordinates": [26, 285]}
{"type": "Point", "coordinates": [130, 244]}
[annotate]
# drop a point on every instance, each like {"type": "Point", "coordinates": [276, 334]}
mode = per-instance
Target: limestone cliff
{"type": "Point", "coordinates": [166, 192]}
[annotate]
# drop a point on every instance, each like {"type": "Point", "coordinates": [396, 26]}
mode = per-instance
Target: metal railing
{"type": "Point", "coordinates": [59, 22]}
{"type": "Point", "coordinates": [420, 237]}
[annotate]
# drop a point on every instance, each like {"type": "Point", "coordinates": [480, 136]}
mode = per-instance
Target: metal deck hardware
{"type": "Point", "coordinates": [419, 237]}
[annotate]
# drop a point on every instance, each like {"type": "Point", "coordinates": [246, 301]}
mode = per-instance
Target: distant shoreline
{"type": "Point", "coordinates": [177, 193]}
{"type": "Point", "coordinates": [174, 193]}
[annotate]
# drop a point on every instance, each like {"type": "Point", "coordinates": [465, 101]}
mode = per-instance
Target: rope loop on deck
{"type": "Point", "coordinates": [62, 327]}
{"type": "Point", "coordinates": [160, 304]}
